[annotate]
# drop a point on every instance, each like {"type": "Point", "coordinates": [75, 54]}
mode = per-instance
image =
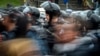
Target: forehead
{"type": "Point", "coordinates": [65, 25]}
{"type": "Point", "coordinates": [70, 25]}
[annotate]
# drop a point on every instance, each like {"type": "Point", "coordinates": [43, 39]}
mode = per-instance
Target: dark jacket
{"type": "Point", "coordinates": [42, 42]}
{"type": "Point", "coordinates": [78, 47]}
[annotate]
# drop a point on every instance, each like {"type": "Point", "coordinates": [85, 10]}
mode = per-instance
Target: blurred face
{"type": "Point", "coordinates": [5, 21]}
{"type": "Point", "coordinates": [54, 19]}
{"type": "Point", "coordinates": [30, 18]}
{"type": "Point", "coordinates": [66, 32]}
{"type": "Point", "coordinates": [8, 23]}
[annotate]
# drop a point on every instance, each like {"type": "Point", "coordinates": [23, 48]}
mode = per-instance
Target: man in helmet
{"type": "Point", "coordinates": [9, 22]}
{"type": "Point", "coordinates": [52, 11]}
{"type": "Point", "coordinates": [34, 30]}
{"type": "Point", "coordinates": [32, 13]}
{"type": "Point", "coordinates": [52, 14]}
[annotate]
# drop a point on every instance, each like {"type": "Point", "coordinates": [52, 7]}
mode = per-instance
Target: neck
{"type": "Point", "coordinates": [29, 26]}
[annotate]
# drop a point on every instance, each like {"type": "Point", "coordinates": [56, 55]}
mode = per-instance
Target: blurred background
{"type": "Point", "coordinates": [72, 4]}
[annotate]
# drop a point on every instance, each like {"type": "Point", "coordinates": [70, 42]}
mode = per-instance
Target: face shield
{"type": "Point", "coordinates": [42, 18]}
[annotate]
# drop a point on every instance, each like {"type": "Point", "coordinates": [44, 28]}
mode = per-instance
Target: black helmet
{"type": "Point", "coordinates": [64, 14]}
{"type": "Point", "coordinates": [95, 21]}
{"type": "Point", "coordinates": [89, 13]}
{"type": "Point", "coordinates": [34, 12]}
{"type": "Point", "coordinates": [12, 14]}
{"type": "Point", "coordinates": [51, 8]}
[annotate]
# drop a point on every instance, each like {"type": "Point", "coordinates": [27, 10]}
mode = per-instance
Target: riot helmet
{"type": "Point", "coordinates": [34, 13]}
{"type": "Point", "coordinates": [52, 9]}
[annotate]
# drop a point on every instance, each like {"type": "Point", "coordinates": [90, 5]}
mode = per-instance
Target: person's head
{"type": "Point", "coordinates": [52, 11]}
{"type": "Point", "coordinates": [69, 29]}
{"type": "Point", "coordinates": [9, 16]}
{"type": "Point", "coordinates": [9, 20]}
{"type": "Point", "coordinates": [19, 47]}
{"type": "Point", "coordinates": [32, 13]}
{"type": "Point", "coordinates": [22, 25]}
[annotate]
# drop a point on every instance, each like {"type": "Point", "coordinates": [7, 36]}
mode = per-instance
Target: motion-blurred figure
{"type": "Point", "coordinates": [19, 47]}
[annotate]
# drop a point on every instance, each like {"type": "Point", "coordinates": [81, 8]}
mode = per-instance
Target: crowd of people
{"type": "Point", "coordinates": [50, 31]}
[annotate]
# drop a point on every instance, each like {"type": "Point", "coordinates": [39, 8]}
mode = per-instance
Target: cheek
{"type": "Point", "coordinates": [55, 20]}
{"type": "Point", "coordinates": [68, 36]}
{"type": "Point", "coordinates": [4, 22]}
{"type": "Point", "coordinates": [47, 18]}
{"type": "Point", "coordinates": [69, 33]}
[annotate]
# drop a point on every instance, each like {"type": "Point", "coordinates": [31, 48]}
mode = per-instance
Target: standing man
{"type": "Point", "coordinates": [52, 15]}
{"type": "Point", "coordinates": [66, 3]}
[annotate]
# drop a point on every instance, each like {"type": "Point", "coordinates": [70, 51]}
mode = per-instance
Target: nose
{"type": "Point", "coordinates": [61, 31]}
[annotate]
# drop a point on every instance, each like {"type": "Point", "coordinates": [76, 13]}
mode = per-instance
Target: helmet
{"type": "Point", "coordinates": [95, 21]}
{"type": "Point", "coordinates": [64, 14]}
{"type": "Point", "coordinates": [34, 12]}
{"type": "Point", "coordinates": [51, 8]}
{"type": "Point", "coordinates": [89, 13]}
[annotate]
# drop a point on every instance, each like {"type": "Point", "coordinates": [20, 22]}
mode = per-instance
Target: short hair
{"type": "Point", "coordinates": [80, 23]}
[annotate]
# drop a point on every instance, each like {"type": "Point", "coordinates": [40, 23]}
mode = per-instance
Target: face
{"type": "Point", "coordinates": [5, 21]}
{"type": "Point", "coordinates": [66, 32]}
{"type": "Point", "coordinates": [54, 19]}
{"type": "Point", "coordinates": [31, 19]}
